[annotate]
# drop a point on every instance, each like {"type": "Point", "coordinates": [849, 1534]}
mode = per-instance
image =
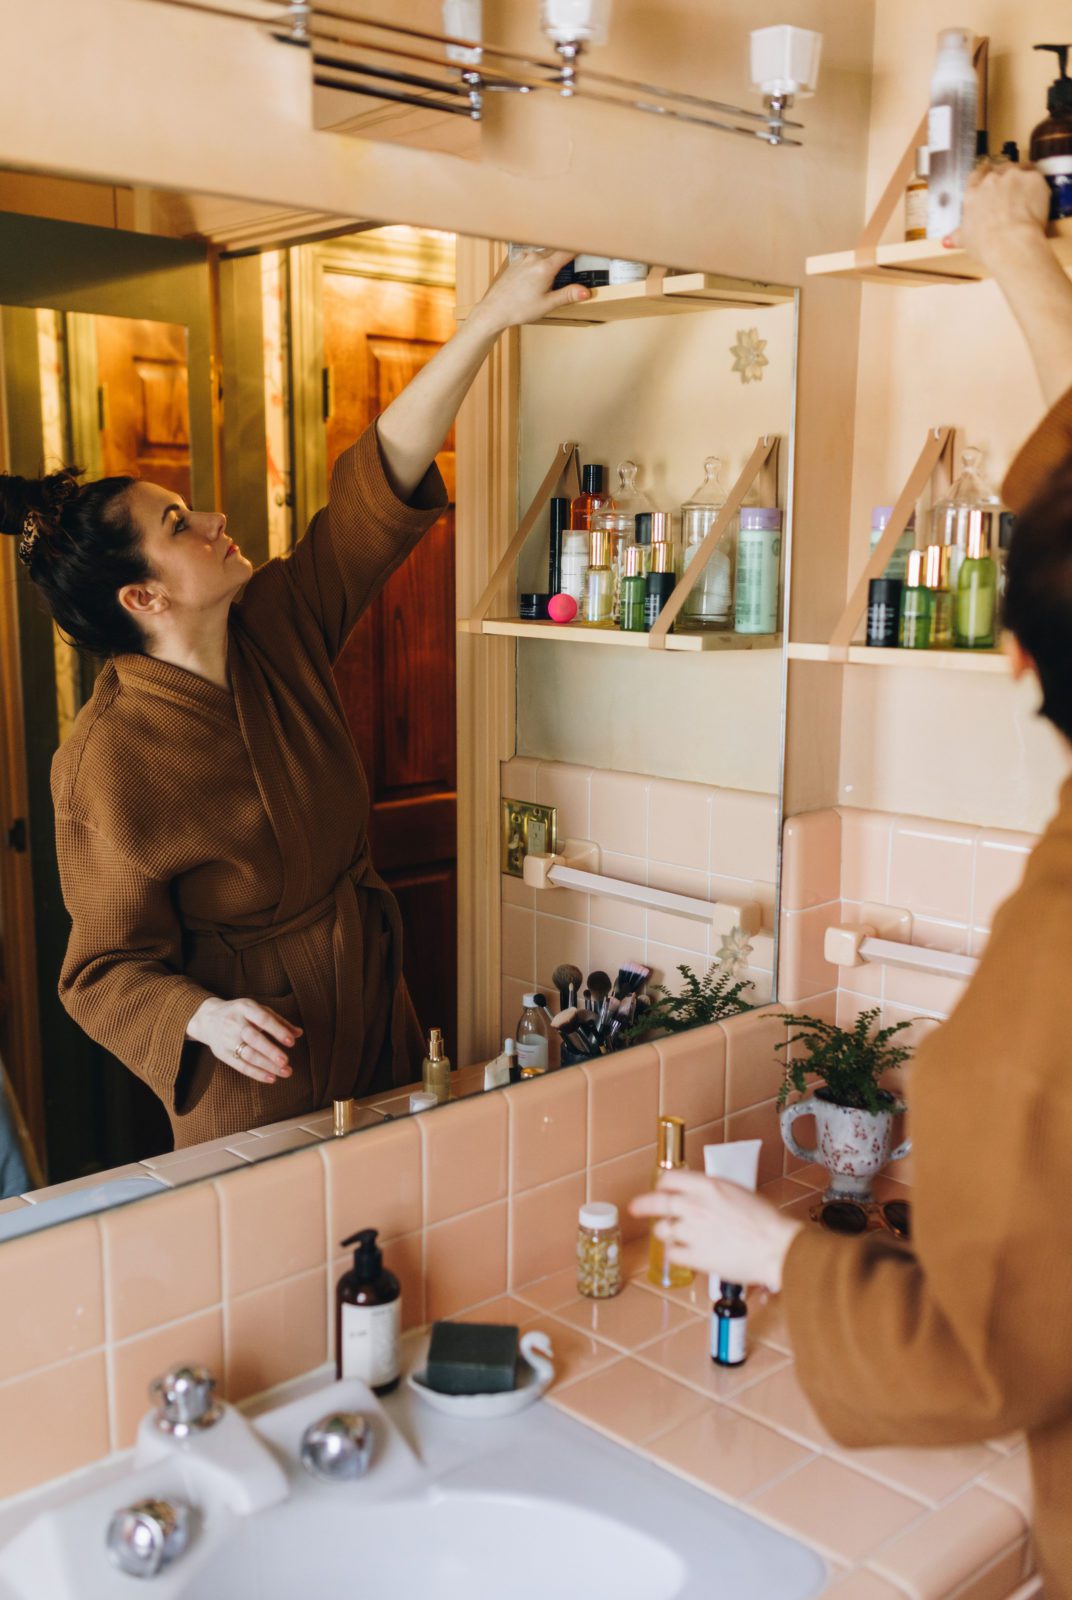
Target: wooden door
{"type": "Point", "coordinates": [396, 674]}
{"type": "Point", "coordinates": [144, 380]}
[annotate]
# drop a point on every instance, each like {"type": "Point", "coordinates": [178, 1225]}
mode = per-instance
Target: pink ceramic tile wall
{"type": "Point", "coordinates": [851, 866]}
{"type": "Point", "coordinates": [239, 1271]}
{"type": "Point", "coordinates": [684, 837]}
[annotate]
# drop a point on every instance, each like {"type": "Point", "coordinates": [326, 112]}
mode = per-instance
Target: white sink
{"type": "Point", "coordinates": [481, 1547]}
{"type": "Point", "coordinates": [526, 1508]}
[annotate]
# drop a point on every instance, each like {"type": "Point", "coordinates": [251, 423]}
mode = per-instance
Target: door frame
{"type": "Point", "coordinates": [485, 511]}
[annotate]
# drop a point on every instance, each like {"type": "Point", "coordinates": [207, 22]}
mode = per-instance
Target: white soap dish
{"type": "Point", "coordinates": [535, 1373]}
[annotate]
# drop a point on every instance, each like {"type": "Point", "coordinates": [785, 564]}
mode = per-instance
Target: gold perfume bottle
{"type": "Point", "coordinates": [670, 1153]}
{"type": "Point", "coordinates": [435, 1073]}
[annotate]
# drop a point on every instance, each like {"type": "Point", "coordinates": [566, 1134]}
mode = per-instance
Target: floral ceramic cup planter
{"type": "Point", "coordinates": [853, 1112]}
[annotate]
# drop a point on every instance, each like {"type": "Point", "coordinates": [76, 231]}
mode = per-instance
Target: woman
{"type": "Point", "coordinates": [968, 1336]}
{"type": "Point", "coordinates": [231, 942]}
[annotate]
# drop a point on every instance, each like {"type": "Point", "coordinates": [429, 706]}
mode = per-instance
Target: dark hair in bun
{"type": "Point", "coordinates": [80, 547]}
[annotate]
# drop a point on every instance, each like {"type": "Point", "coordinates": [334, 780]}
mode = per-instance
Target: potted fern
{"type": "Point", "coordinates": [853, 1112]}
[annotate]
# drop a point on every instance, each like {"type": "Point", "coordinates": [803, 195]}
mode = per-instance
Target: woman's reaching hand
{"type": "Point", "coordinates": [522, 292]}
{"type": "Point", "coordinates": [1003, 207]}
{"type": "Point", "coordinates": [719, 1228]}
{"type": "Point", "coordinates": [245, 1036]}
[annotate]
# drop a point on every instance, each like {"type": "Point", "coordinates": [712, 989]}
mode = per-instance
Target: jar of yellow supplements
{"type": "Point", "coordinates": [599, 1251]}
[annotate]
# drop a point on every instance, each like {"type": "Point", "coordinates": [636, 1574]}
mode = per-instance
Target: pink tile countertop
{"type": "Point", "coordinates": [891, 1524]}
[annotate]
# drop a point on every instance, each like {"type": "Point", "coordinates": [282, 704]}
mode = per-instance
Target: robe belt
{"type": "Point", "coordinates": [334, 1051]}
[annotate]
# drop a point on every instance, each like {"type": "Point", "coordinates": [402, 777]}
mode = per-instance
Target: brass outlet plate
{"type": "Point", "coordinates": [526, 830]}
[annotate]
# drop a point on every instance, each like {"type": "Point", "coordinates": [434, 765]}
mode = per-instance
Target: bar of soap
{"type": "Point", "coordinates": [472, 1358]}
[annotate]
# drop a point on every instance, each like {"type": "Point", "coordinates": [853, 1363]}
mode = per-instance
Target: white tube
{"type": "Point", "coordinates": [736, 1162]}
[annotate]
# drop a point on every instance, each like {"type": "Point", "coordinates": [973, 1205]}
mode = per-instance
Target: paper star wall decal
{"type": "Point", "coordinates": [748, 357]}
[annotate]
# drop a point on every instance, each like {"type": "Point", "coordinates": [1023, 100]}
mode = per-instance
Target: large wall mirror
{"type": "Point", "coordinates": [644, 771]}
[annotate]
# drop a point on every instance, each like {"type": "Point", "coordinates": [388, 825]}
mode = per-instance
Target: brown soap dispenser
{"type": "Point", "coordinates": [368, 1318]}
{"type": "Point", "coordinates": [1051, 141]}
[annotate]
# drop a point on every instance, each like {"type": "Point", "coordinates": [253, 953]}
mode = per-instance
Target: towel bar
{"type": "Point", "coordinates": [556, 872]}
{"type": "Point", "coordinates": [855, 946]}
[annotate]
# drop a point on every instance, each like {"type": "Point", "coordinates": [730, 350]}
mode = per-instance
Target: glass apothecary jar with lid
{"type": "Point", "coordinates": [618, 521]}
{"type": "Point", "coordinates": [710, 604]}
{"type": "Point", "coordinates": [970, 510]}
{"type": "Point", "coordinates": [599, 1251]}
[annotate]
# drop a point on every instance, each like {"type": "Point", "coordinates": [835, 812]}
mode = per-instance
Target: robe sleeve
{"type": "Point", "coordinates": [1047, 448]}
{"type": "Point", "coordinates": [122, 978]}
{"type": "Point", "coordinates": [359, 539]}
{"type": "Point", "coordinates": [966, 1337]}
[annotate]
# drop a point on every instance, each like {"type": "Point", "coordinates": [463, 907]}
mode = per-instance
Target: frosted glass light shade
{"type": "Point", "coordinates": [463, 19]}
{"type": "Point", "coordinates": [575, 21]}
{"type": "Point", "coordinates": [785, 60]}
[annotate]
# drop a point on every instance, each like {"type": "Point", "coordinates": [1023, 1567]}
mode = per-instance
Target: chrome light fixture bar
{"type": "Point", "coordinates": [450, 75]}
{"type": "Point", "coordinates": [418, 72]}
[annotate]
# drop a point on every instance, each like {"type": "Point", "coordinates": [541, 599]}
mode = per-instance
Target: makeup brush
{"type": "Point", "coordinates": [623, 1018]}
{"type": "Point", "coordinates": [569, 1024]}
{"type": "Point", "coordinates": [599, 986]}
{"type": "Point", "coordinates": [565, 978]}
{"type": "Point", "coordinates": [540, 1002]}
{"type": "Point", "coordinates": [631, 977]}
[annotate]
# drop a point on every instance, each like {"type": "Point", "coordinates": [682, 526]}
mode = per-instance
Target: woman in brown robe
{"type": "Point", "coordinates": [967, 1336]}
{"type": "Point", "coordinates": [231, 941]}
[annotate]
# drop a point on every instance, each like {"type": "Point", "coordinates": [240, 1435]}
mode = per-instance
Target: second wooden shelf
{"type": "Point", "coordinates": [579, 633]}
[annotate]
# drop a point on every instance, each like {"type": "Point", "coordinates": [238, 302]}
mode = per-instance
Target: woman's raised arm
{"type": "Point", "coordinates": [414, 425]}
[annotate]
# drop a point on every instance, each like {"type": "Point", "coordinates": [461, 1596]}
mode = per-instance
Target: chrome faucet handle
{"type": "Point", "coordinates": [184, 1400]}
{"type": "Point", "coordinates": [338, 1447]}
{"type": "Point", "coordinates": [145, 1537]}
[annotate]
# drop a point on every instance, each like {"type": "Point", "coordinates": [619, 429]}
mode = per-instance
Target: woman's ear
{"type": "Point", "coordinates": [142, 601]}
{"type": "Point", "coordinates": [1019, 660]}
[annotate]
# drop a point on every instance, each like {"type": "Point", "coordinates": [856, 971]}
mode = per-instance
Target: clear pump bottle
{"type": "Point", "coordinates": [951, 130]}
{"type": "Point", "coordinates": [710, 605]}
{"type": "Point", "coordinates": [435, 1073]}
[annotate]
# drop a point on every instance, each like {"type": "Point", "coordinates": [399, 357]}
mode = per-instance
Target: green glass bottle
{"type": "Point", "coordinates": [917, 607]}
{"type": "Point", "coordinates": [977, 594]}
{"type": "Point", "coordinates": [936, 567]}
{"type": "Point", "coordinates": [634, 590]}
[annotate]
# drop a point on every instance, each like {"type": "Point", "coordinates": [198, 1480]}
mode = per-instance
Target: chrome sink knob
{"type": "Point", "coordinates": [338, 1447]}
{"type": "Point", "coordinates": [143, 1538]}
{"type": "Point", "coordinates": [184, 1401]}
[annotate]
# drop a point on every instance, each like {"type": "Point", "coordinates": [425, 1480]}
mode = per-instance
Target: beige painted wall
{"type": "Point", "coordinates": [661, 392]}
{"type": "Point", "coordinates": [941, 744]}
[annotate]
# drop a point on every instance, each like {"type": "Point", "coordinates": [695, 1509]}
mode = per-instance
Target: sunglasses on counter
{"type": "Point", "coordinates": [849, 1216]}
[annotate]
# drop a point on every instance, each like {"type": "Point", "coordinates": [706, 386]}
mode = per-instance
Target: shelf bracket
{"type": "Point", "coordinates": [766, 451]}
{"type": "Point", "coordinates": [566, 460]}
{"type": "Point", "coordinates": [937, 449]}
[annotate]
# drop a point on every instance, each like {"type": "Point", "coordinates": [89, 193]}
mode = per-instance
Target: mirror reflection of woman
{"type": "Point", "coordinates": [231, 941]}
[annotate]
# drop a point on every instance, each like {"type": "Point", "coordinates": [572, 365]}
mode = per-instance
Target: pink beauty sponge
{"type": "Point", "coordinates": [562, 608]}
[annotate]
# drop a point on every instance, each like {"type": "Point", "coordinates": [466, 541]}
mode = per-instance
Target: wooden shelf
{"type": "Point", "coordinates": [678, 293]}
{"type": "Point", "coordinates": [861, 655]}
{"type": "Point", "coordinates": [921, 262]}
{"type": "Point", "coordinates": [579, 633]}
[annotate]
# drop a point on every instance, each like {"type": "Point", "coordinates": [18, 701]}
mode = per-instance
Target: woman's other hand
{"type": "Point", "coordinates": [1003, 208]}
{"type": "Point", "coordinates": [719, 1228]}
{"type": "Point", "coordinates": [260, 1037]}
{"type": "Point", "coordinates": [522, 292]}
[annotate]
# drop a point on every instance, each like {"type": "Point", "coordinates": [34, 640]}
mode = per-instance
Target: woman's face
{"type": "Point", "coordinates": [195, 563]}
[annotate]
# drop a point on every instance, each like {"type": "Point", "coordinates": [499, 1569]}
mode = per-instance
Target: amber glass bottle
{"type": "Point", "coordinates": [368, 1318]}
{"type": "Point", "coordinates": [592, 497]}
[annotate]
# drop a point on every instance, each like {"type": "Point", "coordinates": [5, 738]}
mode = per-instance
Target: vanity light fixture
{"type": "Point", "coordinates": [386, 80]}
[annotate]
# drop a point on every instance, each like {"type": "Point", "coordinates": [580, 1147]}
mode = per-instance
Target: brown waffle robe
{"type": "Point", "coordinates": [968, 1336]}
{"type": "Point", "coordinates": [214, 841]}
